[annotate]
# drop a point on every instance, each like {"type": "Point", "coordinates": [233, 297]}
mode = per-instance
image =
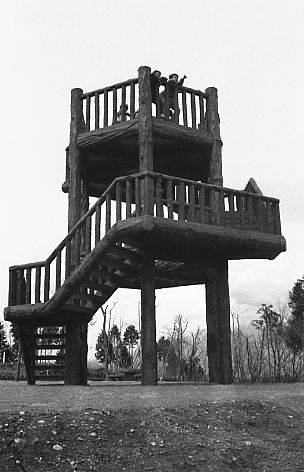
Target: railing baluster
{"type": "Point", "coordinates": [250, 213]}
{"type": "Point", "coordinates": [175, 103]}
{"type": "Point", "coordinates": [260, 209]}
{"type": "Point", "coordinates": [191, 212]}
{"type": "Point", "coordinates": [201, 124]}
{"type": "Point", "coordinates": [181, 201]}
{"type": "Point", "coordinates": [166, 107]}
{"type": "Point", "coordinates": [128, 198]}
{"type": "Point", "coordinates": [269, 219]}
{"type": "Point", "coordinates": [123, 103]}
{"type": "Point", "coordinates": [97, 110]}
{"type": "Point", "coordinates": [158, 196]}
{"type": "Point", "coordinates": [276, 218]}
{"type": "Point", "coordinates": [38, 285]}
{"type": "Point", "coordinates": [114, 106]}
{"type": "Point", "coordinates": [193, 110]}
{"type": "Point", "coordinates": [132, 101]}
{"type": "Point", "coordinates": [58, 270]}
{"type": "Point", "coordinates": [77, 246]}
{"type": "Point", "coordinates": [118, 201]}
{"type": "Point", "coordinates": [170, 199]}
{"type": "Point", "coordinates": [88, 113]}
{"type": "Point", "coordinates": [13, 287]}
{"type": "Point", "coordinates": [28, 284]}
{"type": "Point", "coordinates": [47, 282]}
{"type": "Point", "coordinates": [97, 223]}
{"type": "Point", "coordinates": [105, 108]}
{"type": "Point", "coordinates": [185, 111]}
{"type": "Point", "coordinates": [241, 210]}
{"type": "Point", "coordinates": [108, 212]}
{"type": "Point", "coordinates": [137, 197]}
{"type": "Point", "coordinates": [88, 230]}
{"type": "Point", "coordinates": [202, 205]}
{"type": "Point", "coordinates": [68, 258]}
{"type": "Point", "coordinates": [20, 288]}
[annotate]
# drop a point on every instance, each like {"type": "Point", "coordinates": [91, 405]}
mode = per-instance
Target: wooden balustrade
{"type": "Point", "coordinates": [147, 193]}
{"type": "Point", "coordinates": [119, 103]}
{"type": "Point", "coordinates": [110, 105]}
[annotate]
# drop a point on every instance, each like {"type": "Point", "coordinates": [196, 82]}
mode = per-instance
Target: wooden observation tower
{"type": "Point", "coordinates": [162, 218]}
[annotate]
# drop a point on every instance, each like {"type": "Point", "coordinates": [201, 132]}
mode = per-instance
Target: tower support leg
{"type": "Point", "coordinates": [76, 354]}
{"type": "Point", "coordinates": [218, 326]}
{"type": "Point", "coordinates": [148, 324]}
{"type": "Point", "coordinates": [26, 337]}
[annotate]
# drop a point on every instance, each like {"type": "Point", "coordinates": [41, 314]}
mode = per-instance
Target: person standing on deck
{"type": "Point", "coordinates": [172, 83]}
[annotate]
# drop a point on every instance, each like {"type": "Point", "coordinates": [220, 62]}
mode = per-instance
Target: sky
{"type": "Point", "coordinates": [251, 51]}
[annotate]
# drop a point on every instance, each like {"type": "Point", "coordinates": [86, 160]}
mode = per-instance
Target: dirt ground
{"type": "Point", "coordinates": [171, 427]}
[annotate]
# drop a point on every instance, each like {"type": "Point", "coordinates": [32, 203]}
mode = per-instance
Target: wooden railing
{"type": "Point", "coordinates": [110, 105]}
{"type": "Point", "coordinates": [136, 195]}
{"type": "Point", "coordinates": [119, 103]}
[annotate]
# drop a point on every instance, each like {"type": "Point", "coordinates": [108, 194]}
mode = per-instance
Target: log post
{"type": "Point", "coordinates": [26, 339]}
{"type": "Point", "coordinates": [213, 127]}
{"type": "Point", "coordinates": [76, 354]}
{"type": "Point", "coordinates": [148, 324]}
{"type": "Point", "coordinates": [218, 326]}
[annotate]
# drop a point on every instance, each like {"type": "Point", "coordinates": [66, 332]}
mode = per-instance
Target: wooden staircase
{"type": "Point", "coordinates": [107, 248]}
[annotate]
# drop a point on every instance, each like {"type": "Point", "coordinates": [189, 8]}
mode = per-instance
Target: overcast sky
{"type": "Point", "coordinates": [251, 51]}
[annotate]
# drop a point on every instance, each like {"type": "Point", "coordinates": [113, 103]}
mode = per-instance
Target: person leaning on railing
{"type": "Point", "coordinates": [172, 83]}
{"type": "Point", "coordinates": [156, 81]}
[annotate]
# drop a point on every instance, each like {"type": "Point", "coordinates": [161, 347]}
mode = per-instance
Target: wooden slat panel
{"type": "Point", "coordinates": [38, 285]}
{"type": "Point", "coordinates": [276, 218]}
{"type": "Point", "coordinates": [58, 270]}
{"type": "Point", "coordinates": [28, 283]}
{"type": "Point", "coordinates": [97, 111]}
{"type": "Point", "coordinates": [184, 105]}
{"type": "Point", "coordinates": [88, 113]}
{"type": "Point", "coordinates": [269, 221]}
{"type": "Point", "coordinates": [105, 108]}
{"type": "Point", "coordinates": [260, 210]}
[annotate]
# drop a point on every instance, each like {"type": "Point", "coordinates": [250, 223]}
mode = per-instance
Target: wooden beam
{"type": "Point", "coordinates": [145, 130]}
{"type": "Point", "coordinates": [213, 127]}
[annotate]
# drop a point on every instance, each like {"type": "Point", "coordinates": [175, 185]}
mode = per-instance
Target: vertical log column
{"type": "Point", "coordinates": [76, 354]}
{"type": "Point", "coordinates": [148, 323]}
{"type": "Point", "coordinates": [217, 291]}
{"type": "Point", "coordinates": [218, 326]}
{"type": "Point", "coordinates": [76, 334]}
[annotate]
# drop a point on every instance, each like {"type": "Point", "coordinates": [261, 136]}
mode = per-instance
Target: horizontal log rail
{"type": "Point", "coordinates": [136, 195]}
{"type": "Point", "coordinates": [120, 102]}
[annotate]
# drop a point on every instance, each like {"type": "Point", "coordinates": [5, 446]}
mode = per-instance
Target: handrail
{"type": "Point", "coordinates": [146, 193]}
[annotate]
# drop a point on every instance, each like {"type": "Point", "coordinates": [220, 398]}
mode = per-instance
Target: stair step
{"type": "Point", "coordinates": [49, 378]}
{"type": "Point", "coordinates": [48, 366]}
{"type": "Point", "coordinates": [87, 296]}
{"type": "Point", "coordinates": [127, 254]}
{"type": "Point", "coordinates": [49, 346]}
{"type": "Point", "coordinates": [116, 264]}
{"type": "Point", "coordinates": [48, 335]}
{"type": "Point", "coordinates": [49, 357]}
